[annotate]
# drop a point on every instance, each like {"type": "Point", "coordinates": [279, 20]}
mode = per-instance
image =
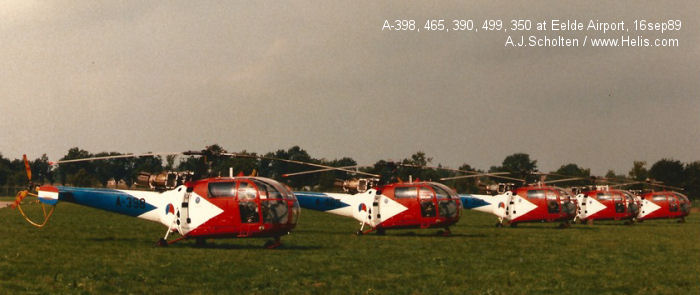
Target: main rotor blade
{"type": "Point", "coordinates": [648, 183]}
{"type": "Point", "coordinates": [494, 175]}
{"type": "Point", "coordinates": [316, 171]}
{"type": "Point", "coordinates": [667, 186]}
{"type": "Point", "coordinates": [443, 168]}
{"type": "Point", "coordinates": [298, 162]}
{"type": "Point", "coordinates": [114, 157]}
{"type": "Point", "coordinates": [26, 167]}
{"type": "Point", "coordinates": [472, 173]}
{"type": "Point", "coordinates": [565, 180]}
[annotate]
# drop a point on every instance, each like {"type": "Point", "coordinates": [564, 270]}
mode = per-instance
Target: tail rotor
{"type": "Point", "coordinates": [30, 191]}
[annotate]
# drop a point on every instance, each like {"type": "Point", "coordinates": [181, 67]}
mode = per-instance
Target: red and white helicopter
{"type": "Point", "coordinates": [399, 205]}
{"type": "Point", "coordinates": [537, 202]}
{"type": "Point", "coordinates": [604, 202]}
{"type": "Point", "coordinates": [664, 204]}
{"type": "Point", "coordinates": [667, 204]}
{"type": "Point", "coordinates": [209, 208]}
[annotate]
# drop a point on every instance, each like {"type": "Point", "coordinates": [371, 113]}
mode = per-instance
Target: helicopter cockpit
{"type": "Point", "coordinates": [447, 207]}
{"type": "Point", "coordinates": [684, 202]}
{"type": "Point", "coordinates": [259, 199]}
{"type": "Point", "coordinates": [435, 199]}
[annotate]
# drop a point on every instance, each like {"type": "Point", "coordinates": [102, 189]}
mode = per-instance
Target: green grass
{"type": "Point", "coordinates": [84, 250]}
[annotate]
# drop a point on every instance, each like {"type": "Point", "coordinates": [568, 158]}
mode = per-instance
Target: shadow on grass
{"type": "Point", "coordinates": [114, 239]}
{"type": "Point", "coordinates": [435, 235]}
{"type": "Point", "coordinates": [228, 246]}
{"type": "Point", "coordinates": [192, 245]}
{"type": "Point", "coordinates": [553, 227]}
{"type": "Point", "coordinates": [325, 232]}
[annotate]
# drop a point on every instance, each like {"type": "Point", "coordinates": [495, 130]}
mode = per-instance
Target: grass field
{"type": "Point", "coordinates": [84, 250]}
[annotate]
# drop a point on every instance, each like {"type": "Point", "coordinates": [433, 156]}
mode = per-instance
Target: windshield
{"type": "Point", "coordinates": [681, 197]}
{"type": "Point", "coordinates": [443, 192]}
{"type": "Point", "coordinates": [564, 194]}
{"type": "Point", "coordinates": [275, 187]}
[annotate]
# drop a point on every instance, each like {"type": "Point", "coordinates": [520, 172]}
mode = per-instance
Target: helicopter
{"type": "Point", "coordinates": [664, 204]}
{"type": "Point", "coordinates": [395, 205]}
{"type": "Point", "coordinates": [603, 202]}
{"type": "Point", "coordinates": [537, 202]}
{"type": "Point", "coordinates": [208, 208]}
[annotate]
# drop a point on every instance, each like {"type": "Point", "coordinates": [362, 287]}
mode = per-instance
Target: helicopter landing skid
{"type": "Point", "coordinates": [273, 244]}
{"type": "Point", "coordinates": [445, 233]}
{"type": "Point", "coordinates": [164, 243]}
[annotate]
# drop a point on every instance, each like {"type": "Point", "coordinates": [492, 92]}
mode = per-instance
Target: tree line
{"type": "Point", "coordinates": [519, 165]}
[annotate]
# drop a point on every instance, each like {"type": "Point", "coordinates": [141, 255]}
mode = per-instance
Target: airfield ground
{"type": "Point", "coordinates": [85, 250]}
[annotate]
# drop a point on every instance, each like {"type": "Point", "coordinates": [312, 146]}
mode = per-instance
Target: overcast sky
{"type": "Point", "coordinates": [136, 76]}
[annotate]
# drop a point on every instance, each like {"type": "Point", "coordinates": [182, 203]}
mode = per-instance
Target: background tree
{"type": "Point", "coordinates": [638, 173]}
{"type": "Point", "coordinates": [416, 168]}
{"type": "Point", "coordinates": [466, 185]}
{"type": "Point", "coordinates": [668, 171]}
{"type": "Point", "coordinates": [612, 175]}
{"type": "Point", "coordinates": [387, 171]}
{"type": "Point", "coordinates": [275, 169]}
{"type": "Point", "coordinates": [42, 172]}
{"type": "Point", "coordinates": [69, 169]}
{"type": "Point", "coordinates": [573, 170]}
{"type": "Point", "coordinates": [691, 179]}
{"type": "Point", "coordinates": [519, 165]}
{"type": "Point", "coordinates": [82, 178]}
{"type": "Point", "coordinates": [327, 179]}
{"type": "Point", "coordinates": [104, 169]}
{"type": "Point", "coordinates": [243, 165]}
{"type": "Point", "coordinates": [170, 162]}
{"type": "Point", "coordinates": [5, 170]}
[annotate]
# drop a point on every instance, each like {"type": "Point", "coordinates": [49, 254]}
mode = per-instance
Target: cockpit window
{"type": "Point", "coordinates": [617, 197]}
{"type": "Point", "coordinates": [425, 193]}
{"type": "Point", "coordinates": [604, 196]}
{"type": "Point", "coordinates": [563, 194]}
{"type": "Point", "coordinates": [681, 197]}
{"type": "Point", "coordinates": [535, 194]}
{"type": "Point", "coordinates": [447, 206]}
{"type": "Point", "coordinates": [441, 190]}
{"type": "Point", "coordinates": [222, 189]}
{"type": "Point", "coordinates": [440, 193]}
{"type": "Point", "coordinates": [405, 192]}
{"type": "Point", "coordinates": [246, 191]}
{"type": "Point", "coordinates": [658, 198]}
{"type": "Point", "coordinates": [285, 192]}
{"type": "Point", "coordinates": [267, 191]}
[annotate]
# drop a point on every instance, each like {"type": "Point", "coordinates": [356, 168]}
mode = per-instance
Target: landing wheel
{"type": "Point", "coordinates": [682, 220]}
{"type": "Point", "coordinates": [444, 233]}
{"type": "Point", "coordinates": [162, 243]}
{"type": "Point", "coordinates": [500, 224]}
{"type": "Point", "coordinates": [381, 231]}
{"type": "Point", "coordinates": [273, 244]}
{"type": "Point", "coordinates": [359, 233]}
{"type": "Point", "coordinates": [565, 224]}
